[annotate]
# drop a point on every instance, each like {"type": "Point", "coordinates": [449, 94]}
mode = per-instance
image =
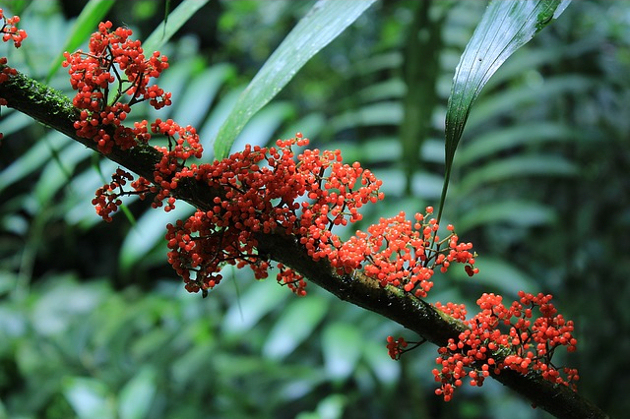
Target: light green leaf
{"type": "Point", "coordinates": [382, 113]}
{"type": "Point", "coordinates": [381, 365]}
{"type": "Point", "coordinates": [136, 396]}
{"type": "Point", "coordinates": [504, 28]}
{"type": "Point", "coordinates": [393, 88]}
{"type": "Point", "coordinates": [148, 233]}
{"type": "Point", "coordinates": [297, 323]}
{"type": "Point", "coordinates": [176, 20]}
{"type": "Point", "coordinates": [332, 407]}
{"type": "Point", "coordinates": [341, 347]}
{"type": "Point", "coordinates": [12, 122]}
{"type": "Point", "coordinates": [86, 23]}
{"type": "Point", "coordinates": [264, 124]}
{"type": "Point", "coordinates": [500, 140]}
{"type": "Point", "coordinates": [498, 276]}
{"type": "Point", "coordinates": [218, 115]}
{"type": "Point", "coordinates": [505, 102]}
{"type": "Point", "coordinates": [88, 397]}
{"type": "Point", "coordinates": [253, 305]}
{"type": "Point", "coordinates": [323, 23]}
{"type": "Point", "coordinates": [55, 175]}
{"type": "Point", "coordinates": [518, 213]}
{"type": "Point", "coordinates": [517, 167]}
{"type": "Point", "coordinates": [176, 81]}
{"type": "Point", "coordinates": [33, 159]}
{"type": "Point", "coordinates": [201, 90]}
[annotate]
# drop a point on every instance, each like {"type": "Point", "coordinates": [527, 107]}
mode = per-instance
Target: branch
{"type": "Point", "coordinates": [54, 110]}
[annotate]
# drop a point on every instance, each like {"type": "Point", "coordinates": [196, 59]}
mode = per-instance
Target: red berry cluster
{"type": "Point", "coordinates": [107, 198]}
{"type": "Point", "coordinates": [263, 190]}
{"type": "Point", "coordinates": [396, 347]}
{"type": "Point", "coordinates": [9, 32]}
{"type": "Point", "coordinates": [293, 280]}
{"type": "Point", "coordinates": [114, 67]}
{"type": "Point", "coordinates": [522, 337]}
{"type": "Point", "coordinates": [5, 74]}
{"type": "Point", "coordinates": [404, 254]}
{"type": "Point", "coordinates": [183, 143]}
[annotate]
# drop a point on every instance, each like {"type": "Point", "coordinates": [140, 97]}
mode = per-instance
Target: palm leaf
{"type": "Point", "coordinates": [504, 28]}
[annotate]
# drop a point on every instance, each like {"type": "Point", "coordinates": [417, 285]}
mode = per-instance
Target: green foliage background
{"type": "Point", "coordinates": [93, 323]}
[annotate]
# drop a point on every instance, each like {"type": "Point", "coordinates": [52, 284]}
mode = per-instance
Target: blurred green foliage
{"type": "Point", "coordinates": [93, 323]}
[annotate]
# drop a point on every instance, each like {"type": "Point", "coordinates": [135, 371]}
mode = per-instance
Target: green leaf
{"type": "Point", "coordinates": [218, 115]}
{"type": "Point", "coordinates": [86, 23]}
{"type": "Point", "coordinates": [89, 397]}
{"type": "Point", "coordinates": [297, 323]}
{"type": "Point", "coordinates": [148, 233]}
{"type": "Point", "coordinates": [257, 301]}
{"type": "Point", "coordinates": [518, 213]}
{"type": "Point", "coordinates": [498, 276]}
{"type": "Point", "coordinates": [382, 113]}
{"type": "Point", "coordinates": [504, 28]}
{"type": "Point", "coordinates": [201, 90]}
{"type": "Point", "coordinates": [331, 407]}
{"type": "Point", "coordinates": [13, 122]}
{"type": "Point", "coordinates": [515, 168]}
{"type": "Point", "coordinates": [386, 372]}
{"type": "Point", "coordinates": [505, 102]}
{"type": "Point", "coordinates": [175, 20]}
{"type": "Point", "coordinates": [136, 396]}
{"type": "Point", "coordinates": [500, 140]}
{"type": "Point", "coordinates": [341, 347]}
{"type": "Point", "coordinates": [264, 124]}
{"type": "Point", "coordinates": [33, 159]}
{"type": "Point", "coordinates": [54, 175]}
{"type": "Point", "coordinates": [323, 23]}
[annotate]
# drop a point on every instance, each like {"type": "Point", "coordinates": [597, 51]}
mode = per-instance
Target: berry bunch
{"type": "Point", "coordinates": [396, 347]}
{"type": "Point", "coordinates": [264, 190]}
{"type": "Point", "coordinates": [115, 67]}
{"type": "Point", "coordinates": [522, 337]}
{"type": "Point", "coordinates": [109, 79]}
{"type": "Point", "coordinates": [107, 199]}
{"type": "Point", "coordinates": [404, 254]}
{"type": "Point", "coordinates": [9, 32]}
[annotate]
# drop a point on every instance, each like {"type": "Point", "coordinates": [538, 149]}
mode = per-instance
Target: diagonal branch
{"type": "Point", "coordinates": [54, 110]}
